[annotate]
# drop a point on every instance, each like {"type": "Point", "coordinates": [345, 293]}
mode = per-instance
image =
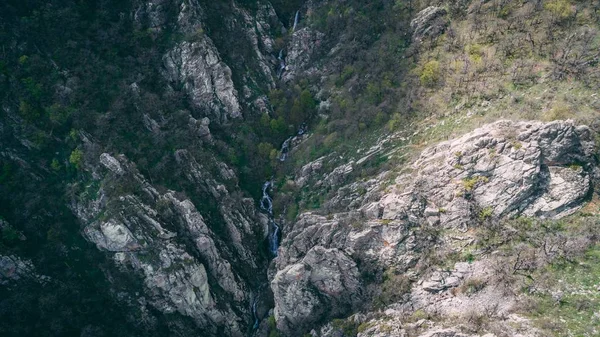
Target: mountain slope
{"type": "Point", "coordinates": [135, 137]}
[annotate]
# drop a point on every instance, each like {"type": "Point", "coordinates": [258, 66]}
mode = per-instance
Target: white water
{"type": "Point", "coordinates": [273, 238]}
{"type": "Point", "coordinates": [254, 313]}
{"type": "Point", "coordinates": [281, 64]}
{"type": "Point", "coordinates": [285, 148]}
{"type": "Point", "coordinates": [295, 21]}
{"type": "Point", "coordinates": [266, 204]}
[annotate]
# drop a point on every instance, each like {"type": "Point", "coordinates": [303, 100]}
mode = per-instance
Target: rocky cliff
{"type": "Point", "coordinates": [427, 169]}
{"type": "Point", "coordinates": [327, 264]}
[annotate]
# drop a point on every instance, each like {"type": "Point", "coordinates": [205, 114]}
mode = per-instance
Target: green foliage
{"type": "Point", "coordinates": [470, 183]}
{"type": "Point", "coordinates": [23, 59]}
{"type": "Point", "coordinates": [58, 114]}
{"type": "Point", "coordinates": [291, 212]}
{"type": "Point", "coordinates": [265, 149]}
{"type": "Point", "coordinates": [5, 172]}
{"type": "Point", "coordinates": [9, 235]}
{"type": "Point", "coordinates": [560, 9]}
{"type": "Point", "coordinates": [346, 74]}
{"type": "Point", "coordinates": [393, 289]}
{"type": "Point", "coordinates": [430, 73]}
{"type": "Point", "coordinates": [486, 213]}
{"type": "Point", "coordinates": [76, 158]}
{"type": "Point", "coordinates": [28, 111]}
{"type": "Point", "coordinates": [273, 332]}
{"type": "Point", "coordinates": [574, 312]}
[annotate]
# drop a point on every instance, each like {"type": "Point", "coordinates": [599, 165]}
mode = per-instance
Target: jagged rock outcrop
{"type": "Point", "coordinates": [15, 269]}
{"type": "Point", "coordinates": [501, 170]}
{"type": "Point", "coordinates": [166, 240]}
{"type": "Point", "coordinates": [430, 22]}
{"type": "Point", "coordinates": [300, 50]}
{"type": "Point", "coordinates": [197, 67]}
{"type": "Point", "coordinates": [324, 284]}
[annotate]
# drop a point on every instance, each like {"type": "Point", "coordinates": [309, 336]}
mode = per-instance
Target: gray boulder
{"type": "Point", "coordinates": [323, 285]}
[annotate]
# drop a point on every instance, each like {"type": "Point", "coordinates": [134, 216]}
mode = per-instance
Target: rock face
{"type": "Point", "coordinates": [14, 269]}
{"type": "Point", "coordinates": [197, 67]}
{"type": "Point", "coordinates": [323, 285]}
{"type": "Point", "coordinates": [430, 22]}
{"type": "Point", "coordinates": [504, 169]}
{"type": "Point", "coordinates": [167, 242]}
{"type": "Point", "coordinates": [304, 43]}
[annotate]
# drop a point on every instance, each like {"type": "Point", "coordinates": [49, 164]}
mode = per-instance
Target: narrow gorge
{"type": "Point", "coordinates": [301, 168]}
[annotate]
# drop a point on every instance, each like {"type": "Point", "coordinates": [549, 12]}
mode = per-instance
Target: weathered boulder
{"type": "Point", "coordinates": [324, 284]}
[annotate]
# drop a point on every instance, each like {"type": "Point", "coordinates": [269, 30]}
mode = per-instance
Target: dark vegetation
{"type": "Point", "coordinates": [65, 73]}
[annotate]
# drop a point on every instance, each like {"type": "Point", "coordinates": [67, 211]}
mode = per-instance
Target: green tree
{"type": "Point", "coordinates": [264, 149]}
{"type": "Point", "coordinates": [76, 158]}
{"type": "Point", "coordinates": [28, 111]}
{"type": "Point", "coordinates": [55, 165]}
{"type": "Point", "coordinates": [560, 9]}
{"type": "Point", "coordinates": [430, 73]}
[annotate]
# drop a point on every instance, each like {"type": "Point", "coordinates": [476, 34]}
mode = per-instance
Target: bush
{"type": "Point", "coordinates": [76, 158]}
{"type": "Point", "coordinates": [430, 73]}
{"type": "Point", "coordinates": [560, 9]}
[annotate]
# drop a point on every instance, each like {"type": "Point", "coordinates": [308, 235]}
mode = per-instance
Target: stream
{"type": "Point", "coordinates": [266, 205]}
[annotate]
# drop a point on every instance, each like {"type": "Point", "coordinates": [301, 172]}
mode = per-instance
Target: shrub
{"type": "Point", "coordinates": [430, 73]}
{"type": "Point", "coordinates": [76, 158]}
{"type": "Point", "coordinates": [55, 165]}
{"type": "Point", "coordinates": [470, 183]}
{"type": "Point", "coordinates": [560, 9]}
{"type": "Point", "coordinates": [394, 287]}
{"type": "Point", "coordinates": [486, 213]}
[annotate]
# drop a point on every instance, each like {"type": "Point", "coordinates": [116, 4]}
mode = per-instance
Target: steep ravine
{"type": "Point", "coordinates": [264, 294]}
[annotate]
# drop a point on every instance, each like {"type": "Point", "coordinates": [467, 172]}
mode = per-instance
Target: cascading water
{"type": "Point", "coordinates": [266, 204]}
{"type": "Point", "coordinates": [274, 238]}
{"type": "Point", "coordinates": [285, 148]}
{"type": "Point", "coordinates": [296, 20]}
{"type": "Point", "coordinates": [281, 64]}
{"type": "Point", "coordinates": [254, 313]}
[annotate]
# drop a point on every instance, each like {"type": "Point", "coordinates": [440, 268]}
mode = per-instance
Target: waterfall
{"type": "Point", "coordinates": [281, 64]}
{"type": "Point", "coordinates": [273, 238]}
{"type": "Point", "coordinates": [285, 148]}
{"type": "Point", "coordinates": [266, 204]}
{"type": "Point", "coordinates": [302, 129]}
{"type": "Point", "coordinates": [295, 21]}
{"type": "Point", "coordinates": [254, 313]}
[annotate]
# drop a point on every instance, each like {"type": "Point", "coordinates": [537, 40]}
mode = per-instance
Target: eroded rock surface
{"type": "Point", "coordinates": [197, 67]}
{"type": "Point", "coordinates": [430, 22]}
{"type": "Point", "coordinates": [324, 284]}
{"type": "Point", "coordinates": [166, 241]}
{"type": "Point", "coordinates": [502, 170]}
